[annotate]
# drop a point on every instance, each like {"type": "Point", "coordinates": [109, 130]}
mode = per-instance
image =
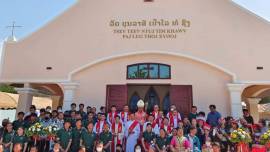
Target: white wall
{"type": "Point", "coordinates": [7, 114]}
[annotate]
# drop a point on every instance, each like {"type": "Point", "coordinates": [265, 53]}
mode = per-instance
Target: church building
{"type": "Point", "coordinates": [181, 52]}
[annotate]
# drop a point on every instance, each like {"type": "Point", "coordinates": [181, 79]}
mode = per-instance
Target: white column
{"type": "Point", "coordinates": [253, 108]}
{"type": "Point", "coordinates": [69, 94]}
{"type": "Point", "coordinates": [236, 101]}
{"type": "Point", "coordinates": [25, 99]}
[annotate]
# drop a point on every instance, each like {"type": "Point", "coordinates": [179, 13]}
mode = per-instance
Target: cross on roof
{"type": "Point", "coordinates": [13, 26]}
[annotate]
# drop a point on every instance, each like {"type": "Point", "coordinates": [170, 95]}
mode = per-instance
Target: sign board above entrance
{"type": "Point", "coordinates": [149, 29]}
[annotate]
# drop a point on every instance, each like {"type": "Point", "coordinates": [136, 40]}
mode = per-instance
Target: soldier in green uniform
{"type": "Point", "coordinates": [64, 137]}
{"type": "Point", "coordinates": [20, 138]}
{"type": "Point", "coordinates": [7, 137]}
{"type": "Point", "coordinates": [19, 122]}
{"type": "Point", "coordinates": [162, 141]}
{"type": "Point", "coordinates": [76, 136]}
{"type": "Point", "coordinates": [106, 138]}
{"type": "Point", "coordinates": [89, 138]}
{"type": "Point", "coordinates": [148, 137]}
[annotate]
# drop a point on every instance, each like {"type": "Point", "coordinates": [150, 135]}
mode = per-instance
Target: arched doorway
{"type": "Point", "coordinates": [50, 90]}
{"type": "Point", "coordinates": [166, 103]}
{"type": "Point", "coordinates": [256, 99]}
{"type": "Point", "coordinates": [151, 99]}
{"type": "Point", "coordinates": [133, 102]}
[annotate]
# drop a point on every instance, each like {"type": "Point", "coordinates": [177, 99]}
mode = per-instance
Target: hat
{"type": "Point", "coordinates": [200, 119]}
{"type": "Point", "coordinates": [206, 126]}
{"type": "Point", "coordinates": [140, 103]}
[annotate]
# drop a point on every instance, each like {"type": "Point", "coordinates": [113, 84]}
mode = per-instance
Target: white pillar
{"type": "Point", "coordinates": [253, 108]}
{"type": "Point", "coordinates": [25, 99]}
{"type": "Point", "coordinates": [69, 94]}
{"type": "Point", "coordinates": [236, 101]}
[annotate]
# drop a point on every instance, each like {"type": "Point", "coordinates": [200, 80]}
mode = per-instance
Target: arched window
{"type": "Point", "coordinates": [148, 71]}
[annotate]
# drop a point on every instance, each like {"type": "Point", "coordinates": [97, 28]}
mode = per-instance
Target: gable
{"type": "Point", "coordinates": [220, 32]}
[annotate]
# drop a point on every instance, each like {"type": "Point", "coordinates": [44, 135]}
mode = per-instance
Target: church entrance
{"type": "Point", "coordinates": [163, 95]}
{"type": "Point", "coordinates": [150, 94]}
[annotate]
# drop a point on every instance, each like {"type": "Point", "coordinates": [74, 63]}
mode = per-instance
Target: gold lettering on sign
{"type": "Point", "coordinates": [150, 29]}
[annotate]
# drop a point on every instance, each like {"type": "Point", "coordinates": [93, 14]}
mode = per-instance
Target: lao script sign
{"type": "Point", "coordinates": [149, 29]}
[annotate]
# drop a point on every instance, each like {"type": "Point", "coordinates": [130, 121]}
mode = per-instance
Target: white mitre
{"type": "Point", "coordinates": [140, 103]}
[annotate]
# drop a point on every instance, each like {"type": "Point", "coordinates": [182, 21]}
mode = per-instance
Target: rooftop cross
{"type": "Point", "coordinates": [13, 26]}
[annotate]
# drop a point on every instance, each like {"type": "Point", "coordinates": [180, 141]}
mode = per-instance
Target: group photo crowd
{"type": "Point", "coordinates": [83, 129]}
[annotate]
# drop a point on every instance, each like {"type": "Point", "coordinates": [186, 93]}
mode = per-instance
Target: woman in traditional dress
{"type": "Point", "coordinates": [162, 141]}
{"type": "Point", "coordinates": [206, 139]}
{"type": "Point", "coordinates": [148, 138]}
{"type": "Point", "coordinates": [179, 142]}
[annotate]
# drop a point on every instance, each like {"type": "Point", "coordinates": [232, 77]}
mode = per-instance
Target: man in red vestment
{"type": "Point", "coordinates": [124, 114]}
{"type": "Point", "coordinates": [140, 115]}
{"type": "Point", "coordinates": [111, 115]}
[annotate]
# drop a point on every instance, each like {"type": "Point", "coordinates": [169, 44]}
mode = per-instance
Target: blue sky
{"type": "Point", "coordinates": [33, 14]}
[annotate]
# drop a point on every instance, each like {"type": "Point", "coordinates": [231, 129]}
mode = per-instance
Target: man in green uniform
{"type": "Point", "coordinates": [20, 138]}
{"type": "Point", "coordinates": [7, 137]}
{"type": "Point", "coordinates": [19, 122]}
{"type": "Point", "coordinates": [90, 119]}
{"type": "Point", "coordinates": [89, 138]}
{"type": "Point", "coordinates": [106, 137]}
{"type": "Point", "coordinates": [76, 136]}
{"type": "Point", "coordinates": [73, 119]}
{"type": "Point", "coordinates": [148, 137]}
{"type": "Point", "coordinates": [31, 121]}
{"type": "Point", "coordinates": [64, 137]}
{"type": "Point", "coordinates": [81, 111]}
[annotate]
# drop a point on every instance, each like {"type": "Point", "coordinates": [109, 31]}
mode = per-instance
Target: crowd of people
{"type": "Point", "coordinates": [86, 130]}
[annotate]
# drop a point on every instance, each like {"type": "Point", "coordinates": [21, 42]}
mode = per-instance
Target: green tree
{"type": "Point", "coordinates": [7, 88]}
